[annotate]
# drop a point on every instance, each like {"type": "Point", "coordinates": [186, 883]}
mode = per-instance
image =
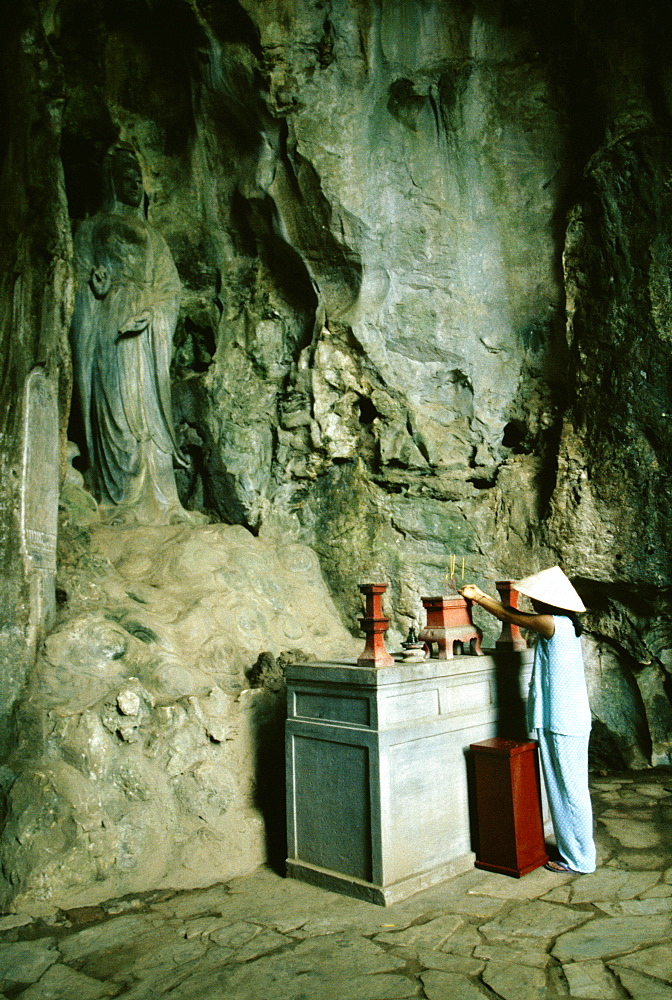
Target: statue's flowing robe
{"type": "Point", "coordinates": [123, 379]}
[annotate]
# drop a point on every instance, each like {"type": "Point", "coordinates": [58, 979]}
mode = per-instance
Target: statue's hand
{"type": "Point", "coordinates": [137, 323]}
{"type": "Point", "coordinates": [100, 281]}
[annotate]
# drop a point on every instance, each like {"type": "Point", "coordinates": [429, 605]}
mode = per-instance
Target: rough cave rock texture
{"type": "Point", "coordinates": [425, 248]}
{"type": "Point", "coordinates": [150, 738]}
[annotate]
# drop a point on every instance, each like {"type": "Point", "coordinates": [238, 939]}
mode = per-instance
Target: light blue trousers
{"type": "Point", "coordinates": [564, 763]}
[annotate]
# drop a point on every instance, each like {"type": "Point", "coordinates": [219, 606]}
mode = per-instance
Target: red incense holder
{"type": "Point", "coordinates": [449, 627]}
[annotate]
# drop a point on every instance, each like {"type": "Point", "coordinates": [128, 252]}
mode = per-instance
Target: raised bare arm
{"type": "Point", "coordinates": [543, 624]}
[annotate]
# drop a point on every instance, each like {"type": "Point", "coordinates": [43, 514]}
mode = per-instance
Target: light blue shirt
{"type": "Point", "coordinates": [558, 697]}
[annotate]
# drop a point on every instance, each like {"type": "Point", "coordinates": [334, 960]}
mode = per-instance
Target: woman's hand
{"type": "Point", "coordinates": [471, 592]}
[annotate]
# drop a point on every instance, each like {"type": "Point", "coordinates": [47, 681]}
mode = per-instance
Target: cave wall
{"type": "Point", "coordinates": [425, 251]}
{"type": "Point", "coordinates": [363, 203]}
{"type": "Point", "coordinates": [35, 372]}
{"type": "Point", "coordinates": [608, 514]}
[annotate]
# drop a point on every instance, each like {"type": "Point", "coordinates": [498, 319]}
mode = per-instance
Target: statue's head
{"type": "Point", "coordinates": [122, 177]}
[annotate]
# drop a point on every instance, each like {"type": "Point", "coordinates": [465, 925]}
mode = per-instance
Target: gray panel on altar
{"type": "Point", "coordinates": [338, 835]}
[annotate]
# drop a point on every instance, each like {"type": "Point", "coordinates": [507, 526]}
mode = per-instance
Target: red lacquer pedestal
{"type": "Point", "coordinates": [510, 638]}
{"type": "Point", "coordinates": [375, 626]}
{"type": "Point", "coordinates": [508, 806]}
{"type": "Point", "coordinates": [449, 622]}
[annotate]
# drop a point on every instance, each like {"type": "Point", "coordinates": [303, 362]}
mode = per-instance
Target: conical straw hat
{"type": "Point", "coordinates": [551, 586]}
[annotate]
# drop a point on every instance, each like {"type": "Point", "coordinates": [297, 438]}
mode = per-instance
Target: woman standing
{"type": "Point", "coordinates": [558, 713]}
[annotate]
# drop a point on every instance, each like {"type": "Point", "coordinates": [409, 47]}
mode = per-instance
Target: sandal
{"type": "Point", "coordinates": [561, 867]}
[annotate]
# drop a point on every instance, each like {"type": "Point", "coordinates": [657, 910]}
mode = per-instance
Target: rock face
{"type": "Point", "coordinates": [424, 249]}
{"type": "Point", "coordinates": [150, 739]}
{"type": "Point", "coordinates": [35, 371]}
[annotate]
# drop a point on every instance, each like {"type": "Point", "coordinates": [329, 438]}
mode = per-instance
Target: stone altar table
{"type": "Point", "coordinates": [377, 789]}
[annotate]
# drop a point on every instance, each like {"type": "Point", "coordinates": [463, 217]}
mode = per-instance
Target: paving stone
{"type": "Point", "coordinates": [109, 950]}
{"type": "Point", "coordinates": [156, 971]}
{"type": "Point", "coordinates": [371, 922]}
{"type": "Point", "coordinates": [656, 961]}
{"type": "Point", "coordinates": [173, 953]}
{"type": "Point", "coordinates": [262, 944]}
{"type": "Point", "coordinates": [556, 982]}
{"type": "Point", "coordinates": [590, 980]}
{"type": "Point", "coordinates": [515, 982]}
{"type": "Point", "coordinates": [561, 894]}
{"type": "Point", "coordinates": [26, 961]}
{"type": "Point", "coordinates": [517, 952]}
{"type": "Point", "coordinates": [330, 913]}
{"type": "Point", "coordinates": [151, 984]}
{"type": "Point", "coordinates": [14, 920]}
{"type": "Point", "coordinates": [191, 904]}
{"type": "Point", "coordinates": [262, 896]}
{"type": "Point", "coordinates": [444, 962]}
{"type": "Point", "coordinates": [119, 932]}
{"type": "Point", "coordinates": [431, 935]}
{"type": "Point", "coordinates": [641, 987]}
{"type": "Point", "coordinates": [637, 906]}
{"type": "Point", "coordinates": [252, 982]}
{"type": "Point", "coordinates": [631, 832]}
{"type": "Point", "coordinates": [609, 798]}
{"type": "Point", "coordinates": [659, 891]}
{"type": "Point", "coordinates": [339, 954]}
{"type": "Point", "coordinates": [536, 884]}
{"type": "Point", "coordinates": [640, 860]}
{"type": "Point", "coordinates": [632, 797]}
{"type": "Point", "coordinates": [449, 986]}
{"type": "Point", "coordinates": [333, 967]}
{"type": "Point", "coordinates": [611, 936]}
{"type": "Point", "coordinates": [463, 941]}
{"type": "Point", "coordinates": [236, 935]}
{"type": "Point", "coordinates": [202, 926]}
{"type": "Point", "coordinates": [652, 791]}
{"type": "Point", "coordinates": [290, 925]}
{"type": "Point", "coordinates": [612, 884]}
{"type": "Point", "coordinates": [62, 983]}
{"type": "Point", "coordinates": [535, 920]}
{"type": "Point", "coordinates": [623, 810]}
{"type": "Point", "coordinates": [443, 894]}
{"type": "Point", "coordinates": [475, 906]}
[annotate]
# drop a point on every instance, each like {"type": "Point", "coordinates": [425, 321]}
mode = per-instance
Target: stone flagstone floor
{"type": "Point", "coordinates": [596, 937]}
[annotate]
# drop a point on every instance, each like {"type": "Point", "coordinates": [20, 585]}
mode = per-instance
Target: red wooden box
{"type": "Point", "coordinates": [508, 807]}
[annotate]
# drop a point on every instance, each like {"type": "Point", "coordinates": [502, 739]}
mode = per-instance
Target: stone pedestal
{"type": "Point", "coordinates": [377, 788]}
